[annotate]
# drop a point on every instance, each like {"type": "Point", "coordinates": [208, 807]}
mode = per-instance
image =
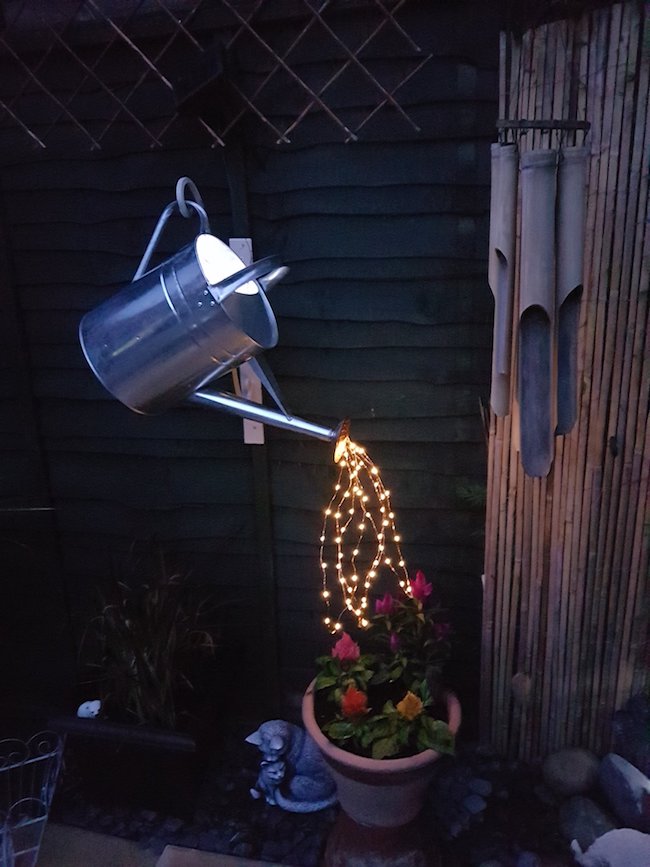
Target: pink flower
{"type": "Point", "coordinates": [420, 588]}
{"type": "Point", "coordinates": [385, 606]}
{"type": "Point", "coordinates": [346, 649]}
{"type": "Point", "coordinates": [442, 631]}
{"type": "Point", "coordinates": [394, 642]}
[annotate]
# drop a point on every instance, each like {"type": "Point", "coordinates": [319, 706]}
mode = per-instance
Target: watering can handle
{"type": "Point", "coordinates": [160, 225]}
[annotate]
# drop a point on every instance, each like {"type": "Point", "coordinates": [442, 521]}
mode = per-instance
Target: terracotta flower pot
{"type": "Point", "coordinates": [383, 793]}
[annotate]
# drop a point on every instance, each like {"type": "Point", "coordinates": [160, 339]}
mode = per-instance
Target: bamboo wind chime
{"type": "Point", "coordinates": [551, 185]}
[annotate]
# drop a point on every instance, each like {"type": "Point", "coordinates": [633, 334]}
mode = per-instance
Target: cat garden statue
{"type": "Point", "coordinates": [623, 847]}
{"type": "Point", "coordinates": [292, 772]}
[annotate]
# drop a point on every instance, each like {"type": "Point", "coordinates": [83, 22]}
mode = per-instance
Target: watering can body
{"type": "Point", "coordinates": [166, 334]}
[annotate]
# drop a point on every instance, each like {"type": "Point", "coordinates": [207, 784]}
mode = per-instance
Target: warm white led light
{"type": "Point", "coordinates": [360, 489]}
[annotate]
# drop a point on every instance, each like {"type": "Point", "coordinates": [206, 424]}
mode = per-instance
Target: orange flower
{"type": "Point", "coordinates": [409, 707]}
{"type": "Point", "coordinates": [354, 703]}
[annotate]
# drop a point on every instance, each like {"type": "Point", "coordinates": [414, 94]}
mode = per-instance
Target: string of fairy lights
{"type": "Point", "coordinates": [359, 538]}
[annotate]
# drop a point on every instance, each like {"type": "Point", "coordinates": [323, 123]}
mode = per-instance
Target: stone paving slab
{"type": "Point", "coordinates": [64, 846]}
{"type": "Point", "coordinates": [176, 856]}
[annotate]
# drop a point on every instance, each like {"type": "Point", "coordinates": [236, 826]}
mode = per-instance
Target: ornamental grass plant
{"type": "Point", "coordinates": [148, 644]}
{"type": "Point", "coordinates": [378, 696]}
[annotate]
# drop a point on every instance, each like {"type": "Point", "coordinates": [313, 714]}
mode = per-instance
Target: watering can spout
{"type": "Point", "coordinates": [257, 412]}
{"type": "Point", "coordinates": [268, 281]}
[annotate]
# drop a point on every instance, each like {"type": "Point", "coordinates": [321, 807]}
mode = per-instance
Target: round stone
{"type": "Point", "coordinates": [572, 771]}
{"type": "Point", "coordinates": [581, 819]}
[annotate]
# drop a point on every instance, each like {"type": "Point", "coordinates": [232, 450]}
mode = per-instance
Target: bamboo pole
{"type": "Point", "coordinates": [573, 468]}
{"type": "Point", "coordinates": [593, 424]}
{"type": "Point", "coordinates": [622, 424]}
{"type": "Point", "coordinates": [635, 543]}
{"type": "Point", "coordinates": [606, 398]}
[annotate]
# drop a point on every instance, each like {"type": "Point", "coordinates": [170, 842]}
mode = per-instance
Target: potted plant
{"type": "Point", "coordinates": [146, 644]}
{"type": "Point", "coordinates": [149, 659]}
{"type": "Point", "coordinates": [378, 711]}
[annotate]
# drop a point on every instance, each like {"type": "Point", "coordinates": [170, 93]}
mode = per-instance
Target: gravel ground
{"type": "Point", "coordinates": [483, 810]}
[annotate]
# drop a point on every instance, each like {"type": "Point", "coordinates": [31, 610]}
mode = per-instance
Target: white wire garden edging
{"type": "Point", "coordinates": [28, 774]}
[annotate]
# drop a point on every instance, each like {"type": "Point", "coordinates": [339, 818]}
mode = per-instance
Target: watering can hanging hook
{"type": "Point", "coordinates": [182, 184]}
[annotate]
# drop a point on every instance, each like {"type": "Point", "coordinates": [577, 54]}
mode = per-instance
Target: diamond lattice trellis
{"type": "Point", "coordinates": [92, 65]}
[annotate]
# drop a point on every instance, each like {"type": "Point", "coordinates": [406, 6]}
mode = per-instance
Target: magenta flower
{"type": "Point", "coordinates": [386, 605]}
{"type": "Point", "coordinates": [394, 642]}
{"type": "Point", "coordinates": [345, 649]}
{"type": "Point", "coordinates": [420, 588]}
{"type": "Point", "coordinates": [442, 631]}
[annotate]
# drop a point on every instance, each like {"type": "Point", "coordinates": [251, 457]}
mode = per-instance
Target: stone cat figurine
{"type": "Point", "coordinates": [269, 778]}
{"type": "Point", "coordinates": [622, 847]}
{"type": "Point", "coordinates": [292, 774]}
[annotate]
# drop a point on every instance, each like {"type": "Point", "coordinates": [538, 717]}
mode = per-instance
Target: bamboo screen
{"type": "Point", "coordinates": [566, 562]}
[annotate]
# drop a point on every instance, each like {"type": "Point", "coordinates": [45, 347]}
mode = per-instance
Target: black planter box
{"type": "Point", "coordinates": [120, 764]}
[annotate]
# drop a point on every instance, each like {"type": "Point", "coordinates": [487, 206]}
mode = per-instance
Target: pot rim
{"type": "Point", "coordinates": [336, 754]}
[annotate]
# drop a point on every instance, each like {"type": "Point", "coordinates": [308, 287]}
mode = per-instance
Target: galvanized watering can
{"type": "Point", "coordinates": [176, 327]}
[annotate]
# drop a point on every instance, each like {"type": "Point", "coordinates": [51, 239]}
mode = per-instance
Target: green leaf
{"type": "Point", "coordinates": [324, 680]}
{"type": "Point", "coordinates": [385, 747]}
{"type": "Point", "coordinates": [339, 731]}
{"type": "Point", "coordinates": [434, 734]}
{"type": "Point", "coordinates": [424, 692]}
